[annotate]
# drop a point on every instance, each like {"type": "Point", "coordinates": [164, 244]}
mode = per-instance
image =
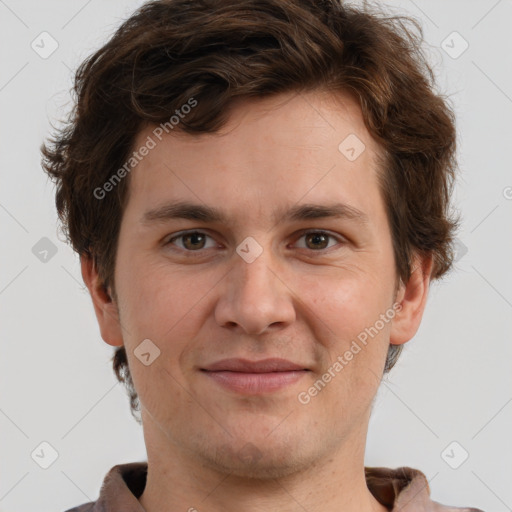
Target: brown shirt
{"type": "Point", "coordinates": [400, 490]}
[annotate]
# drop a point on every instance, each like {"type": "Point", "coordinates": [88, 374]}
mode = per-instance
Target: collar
{"type": "Point", "coordinates": [400, 490]}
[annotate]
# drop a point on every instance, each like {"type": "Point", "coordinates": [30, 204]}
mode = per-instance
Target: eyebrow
{"type": "Point", "coordinates": [210, 214]}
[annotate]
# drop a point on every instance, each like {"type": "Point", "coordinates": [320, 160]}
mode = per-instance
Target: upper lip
{"type": "Point", "coordinates": [263, 366]}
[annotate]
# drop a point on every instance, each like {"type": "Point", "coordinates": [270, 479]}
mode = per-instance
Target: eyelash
{"type": "Point", "coordinates": [339, 238]}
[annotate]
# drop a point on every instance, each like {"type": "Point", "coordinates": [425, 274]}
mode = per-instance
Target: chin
{"type": "Point", "coordinates": [259, 462]}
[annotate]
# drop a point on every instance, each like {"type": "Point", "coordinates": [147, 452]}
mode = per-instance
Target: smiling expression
{"type": "Point", "coordinates": [252, 258]}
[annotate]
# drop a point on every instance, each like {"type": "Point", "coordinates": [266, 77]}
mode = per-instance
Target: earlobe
{"type": "Point", "coordinates": [105, 307]}
{"type": "Point", "coordinates": [412, 297]}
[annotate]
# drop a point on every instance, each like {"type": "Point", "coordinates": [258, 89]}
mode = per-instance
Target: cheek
{"type": "Point", "coordinates": [160, 388]}
{"type": "Point", "coordinates": [346, 303]}
{"type": "Point", "coordinates": [168, 308]}
{"type": "Point", "coordinates": [347, 316]}
{"type": "Point", "coordinates": [156, 298]}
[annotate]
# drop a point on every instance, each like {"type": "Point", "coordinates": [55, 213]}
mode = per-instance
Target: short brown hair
{"type": "Point", "coordinates": [219, 51]}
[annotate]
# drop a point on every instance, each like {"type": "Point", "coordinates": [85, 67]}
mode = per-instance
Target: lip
{"type": "Point", "coordinates": [255, 377]}
{"type": "Point", "coordinates": [246, 366]}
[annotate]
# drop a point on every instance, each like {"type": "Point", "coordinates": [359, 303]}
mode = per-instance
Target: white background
{"type": "Point", "coordinates": [453, 381]}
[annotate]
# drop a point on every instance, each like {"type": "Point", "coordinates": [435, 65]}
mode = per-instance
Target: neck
{"type": "Point", "coordinates": [335, 481]}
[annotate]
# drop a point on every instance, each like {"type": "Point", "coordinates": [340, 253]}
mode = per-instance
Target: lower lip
{"type": "Point", "coordinates": [255, 383]}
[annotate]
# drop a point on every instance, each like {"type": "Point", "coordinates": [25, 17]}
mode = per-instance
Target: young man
{"type": "Point", "coordinates": [258, 192]}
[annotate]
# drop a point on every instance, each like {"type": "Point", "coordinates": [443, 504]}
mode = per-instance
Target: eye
{"type": "Point", "coordinates": [318, 240]}
{"type": "Point", "coordinates": [191, 241]}
{"type": "Point", "coordinates": [194, 241]}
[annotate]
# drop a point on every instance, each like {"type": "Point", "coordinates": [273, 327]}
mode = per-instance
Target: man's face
{"type": "Point", "coordinates": [258, 285]}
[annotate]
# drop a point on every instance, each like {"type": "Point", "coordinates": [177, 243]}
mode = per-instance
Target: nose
{"type": "Point", "coordinates": [255, 296]}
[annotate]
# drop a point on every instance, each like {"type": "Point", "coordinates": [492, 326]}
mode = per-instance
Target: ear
{"type": "Point", "coordinates": [105, 307]}
{"type": "Point", "coordinates": [413, 297]}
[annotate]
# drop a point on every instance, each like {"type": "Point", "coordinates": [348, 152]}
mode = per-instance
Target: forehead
{"type": "Point", "coordinates": [273, 150]}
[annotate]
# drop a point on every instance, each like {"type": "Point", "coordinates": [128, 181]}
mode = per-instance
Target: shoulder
{"type": "Point", "coordinates": [86, 507]}
{"type": "Point", "coordinates": [405, 489]}
{"type": "Point", "coordinates": [120, 490]}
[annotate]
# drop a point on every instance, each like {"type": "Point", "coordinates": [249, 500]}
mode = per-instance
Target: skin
{"type": "Point", "coordinates": [302, 299]}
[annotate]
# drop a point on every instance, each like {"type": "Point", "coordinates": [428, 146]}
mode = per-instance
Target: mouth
{"type": "Point", "coordinates": [255, 377]}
